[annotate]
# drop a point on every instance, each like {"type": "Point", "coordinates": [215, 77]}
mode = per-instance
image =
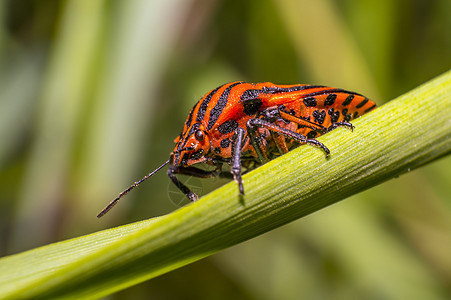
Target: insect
{"type": "Point", "coordinates": [246, 124]}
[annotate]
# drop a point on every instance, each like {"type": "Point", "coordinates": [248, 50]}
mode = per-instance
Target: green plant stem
{"type": "Point", "coordinates": [396, 138]}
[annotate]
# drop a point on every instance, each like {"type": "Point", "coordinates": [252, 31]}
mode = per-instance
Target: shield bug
{"type": "Point", "coordinates": [246, 124]}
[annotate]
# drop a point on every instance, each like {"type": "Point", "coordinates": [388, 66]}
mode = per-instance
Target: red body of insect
{"type": "Point", "coordinates": [245, 125]}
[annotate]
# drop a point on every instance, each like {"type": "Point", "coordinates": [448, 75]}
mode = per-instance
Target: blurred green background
{"type": "Point", "coordinates": [92, 94]}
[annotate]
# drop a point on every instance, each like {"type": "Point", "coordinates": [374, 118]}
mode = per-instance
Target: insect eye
{"type": "Point", "coordinates": [199, 135]}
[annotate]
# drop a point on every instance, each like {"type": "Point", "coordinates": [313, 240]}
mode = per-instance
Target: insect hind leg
{"type": "Point", "coordinates": [301, 139]}
{"type": "Point", "coordinates": [340, 124]}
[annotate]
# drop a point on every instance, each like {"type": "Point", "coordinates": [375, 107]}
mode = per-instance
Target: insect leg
{"type": "Point", "coordinates": [255, 139]}
{"type": "Point", "coordinates": [277, 113]}
{"type": "Point", "coordinates": [316, 127]}
{"type": "Point", "coordinates": [340, 124]}
{"type": "Point", "coordinates": [236, 157]}
{"type": "Point", "coordinates": [188, 193]}
{"type": "Point", "coordinates": [280, 142]}
{"type": "Point", "coordinates": [301, 139]}
{"type": "Point", "coordinates": [193, 171]}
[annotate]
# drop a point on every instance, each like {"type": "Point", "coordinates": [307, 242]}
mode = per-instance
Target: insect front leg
{"type": "Point", "coordinates": [301, 139]}
{"type": "Point", "coordinates": [238, 141]}
{"type": "Point", "coordinates": [193, 171]}
{"type": "Point", "coordinates": [185, 190]}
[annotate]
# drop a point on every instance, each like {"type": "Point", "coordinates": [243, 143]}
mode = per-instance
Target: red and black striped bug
{"type": "Point", "coordinates": [245, 125]}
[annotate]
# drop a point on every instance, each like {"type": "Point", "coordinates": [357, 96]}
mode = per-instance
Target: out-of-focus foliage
{"type": "Point", "coordinates": [92, 94]}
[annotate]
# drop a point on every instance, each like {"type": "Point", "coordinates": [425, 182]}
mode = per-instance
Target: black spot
{"type": "Point", "coordinates": [312, 134]}
{"type": "Point", "coordinates": [292, 112]}
{"type": "Point", "coordinates": [330, 99]}
{"type": "Point", "coordinates": [346, 116]}
{"type": "Point", "coordinates": [228, 126]}
{"type": "Point", "coordinates": [217, 150]}
{"type": "Point", "coordinates": [331, 111]}
{"type": "Point", "coordinates": [364, 101]}
{"type": "Point", "coordinates": [310, 101]}
{"type": "Point", "coordinates": [348, 100]}
{"type": "Point", "coordinates": [225, 143]}
{"type": "Point", "coordinates": [319, 116]}
{"type": "Point", "coordinates": [356, 114]}
{"type": "Point", "coordinates": [252, 106]}
{"type": "Point", "coordinates": [334, 116]}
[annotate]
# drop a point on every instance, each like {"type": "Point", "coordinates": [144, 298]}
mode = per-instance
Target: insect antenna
{"type": "Point", "coordinates": [135, 184]}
